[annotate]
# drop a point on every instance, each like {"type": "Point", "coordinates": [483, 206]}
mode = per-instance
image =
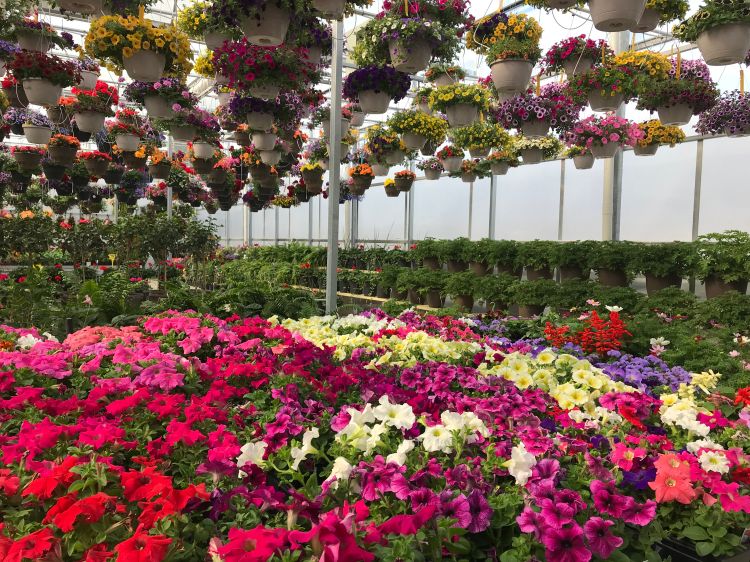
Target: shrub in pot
{"type": "Point", "coordinates": [572, 259]}
{"type": "Point", "coordinates": [575, 55]}
{"type": "Point", "coordinates": [461, 288]}
{"type": "Point", "coordinates": [481, 256]}
{"type": "Point", "coordinates": [417, 128]}
{"type": "Point", "coordinates": [721, 30]}
{"type": "Point", "coordinates": [666, 265]}
{"type": "Point", "coordinates": [504, 254]}
{"type": "Point", "coordinates": [375, 87]}
{"type": "Point", "coordinates": [495, 291]}
{"type": "Point", "coordinates": [457, 253]}
{"type": "Point", "coordinates": [723, 263]}
{"type": "Point", "coordinates": [430, 252]}
{"type": "Point", "coordinates": [461, 103]}
{"type": "Point", "coordinates": [536, 257]}
{"type": "Point", "coordinates": [614, 262]}
{"type": "Point", "coordinates": [532, 296]}
{"type": "Point", "coordinates": [425, 283]}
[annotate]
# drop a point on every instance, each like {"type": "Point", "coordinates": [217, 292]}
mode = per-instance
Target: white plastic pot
{"type": "Point", "coordinates": [330, 9]}
{"type": "Point", "coordinates": [88, 79]}
{"type": "Point", "coordinates": [127, 142]}
{"type": "Point", "coordinates": [32, 42]}
{"type": "Point", "coordinates": [358, 118]}
{"type": "Point", "coordinates": [480, 152]}
{"type": "Point", "coordinates": [511, 75]}
{"type": "Point", "coordinates": [532, 155]}
{"type": "Point", "coordinates": [215, 39]}
{"type": "Point", "coordinates": [432, 175]}
{"type": "Point", "coordinates": [41, 92]}
{"type": "Point", "coordinates": [37, 135]}
{"type": "Point", "coordinates": [461, 114]}
{"type": "Point", "coordinates": [269, 28]}
{"type": "Point", "coordinates": [468, 177]}
{"type": "Point", "coordinates": [499, 168]}
{"type": "Point", "coordinates": [649, 150]}
{"type": "Point", "coordinates": [157, 107]}
{"type": "Point", "coordinates": [260, 121]}
{"type": "Point", "coordinates": [85, 7]}
{"type": "Point", "coordinates": [264, 141]}
{"type": "Point", "coordinates": [576, 66]}
{"type": "Point", "coordinates": [145, 66]}
{"type": "Point", "coordinates": [725, 44]}
{"type": "Point", "coordinates": [677, 115]}
{"type": "Point", "coordinates": [648, 22]}
{"type": "Point", "coordinates": [410, 56]}
{"type": "Point", "coordinates": [413, 141]}
{"type": "Point", "coordinates": [224, 97]}
{"type": "Point", "coordinates": [599, 102]}
{"type": "Point", "coordinates": [444, 80]}
{"type": "Point", "coordinates": [203, 150]}
{"type": "Point", "coordinates": [270, 157]}
{"type": "Point", "coordinates": [314, 55]}
{"type": "Point", "coordinates": [374, 102]}
{"type": "Point", "coordinates": [183, 133]}
{"type": "Point", "coordinates": [535, 128]}
{"type": "Point", "coordinates": [90, 121]}
{"type": "Point", "coordinates": [380, 169]}
{"type": "Point", "coordinates": [560, 4]}
{"type": "Point", "coordinates": [616, 15]}
{"type": "Point", "coordinates": [583, 161]}
{"type": "Point", "coordinates": [264, 91]}
{"type": "Point", "coordinates": [605, 150]}
{"type": "Point", "coordinates": [395, 157]}
{"type": "Point", "coordinates": [452, 164]}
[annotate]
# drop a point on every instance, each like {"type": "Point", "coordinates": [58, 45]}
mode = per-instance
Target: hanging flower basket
{"type": "Point", "coordinates": [113, 175]}
{"type": "Point", "coordinates": [157, 107]}
{"type": "Point", "coordinates": [373, 87]}
{"type": "Point", "coordinates": [362, 182]}
{"type": "Point", "coordinates": [679, 114]}
{"type": "Point", "coordinates": [391, 190]}
{"type": "Point", "coordinates": [36, 134]}
{"type": "Point", "coordinates": [127, 142]}
{"type": "Point", "coordinates": [260, 120]}
{"type": "Point", "coordinates": [468, 177]}
{"type": "Point", "coordinates": [532, 155]}
{"type": "Point", "coordinates": [535, 128]}
{"type": "Point", "coordinates": [96, 167]}
{"type": "Point", "coordinates": [41, 92]}
{"type": "Point", "coordinates": [648, 150]}
{"type": "Point", "coordinates": [380, 169]}
{"type": "Point", "coordinates": [330, 9]}
{"type": "Point", "coordinates": [404, 182]}
{"type": "Point", "coordinates": [133, 161]}
{"type": "Point", "coordinates": [479, 152]}
{"type": "Point", "coordinates": [452, 164]}
{"type": "Point", "coordinates": [413, 141]}
{"type": "Point", "coordinates": [54, 172]}
{"type": "Point", "coordinates": [264, 141]}
{"type": "Point", "coordinates": [511, 75]}
{"type": "Point", "coordinates": [264, 91]}
{"type": "Point", "coordinates": [725, 44]}
{"type": "Point", "coordinates": [603, 102]}
{"type": "Point", "coordinates": [29, 41]}
{"type": "Point", "coordinates": [28, 160]}
{"type": "Point", "coordinates": [215, 39]}
{"type": "Point", "coordinates": [429, 148]}
{"type": "Point", "coordinates": [460, 102]}
{"type": "Point", "coordinates": [374, 102]}
{"type": "Point", "coordinates": [432, 174]}
{"type": "Point", "coordinates": [270, 157]}
{"type": "Point", "coordinates": [267, 27]}
{"type": "Point", "coordinates": [203, 150]}
{"type": "Point", "coordinates": [410, 56]}
{"type": "Point", "coordinates": [64, 155]}
{"type": "Point", "coordinates": [603, 151]}
{"type": "Point", "coordinates": [616, 15]}
{"type": "Point", "coordinates": [395, 157]}
{"type": "Point", "coordinates": [145, 66]}
{"type": "Point", "coordinates": [88, 79]}
{"type": "Point", "coordinates": [648, 22]}
{"type": "Point", "coordinates": [358, 118]}
{"type": "Point", "coordinates": [461, 114]}
{"type": "Point", "coordinates": [577, 66]}
{"type": "Point", "coordinates": [584, 161]}
{"type": "Point", "coordinates": [160, 171]}
{"type": "Point", "coordinates": [499, 168]}
{"type": "Point", "coordinates": [90, 121]}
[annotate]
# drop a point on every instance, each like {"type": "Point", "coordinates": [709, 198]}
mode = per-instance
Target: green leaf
{"type": "Point", "coordinates": [704, 548]}
{"type": "Point", "coordinates": [695, 533]}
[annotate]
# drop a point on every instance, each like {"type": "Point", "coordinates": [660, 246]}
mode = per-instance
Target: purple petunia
{"type": "Point", "coordinates": [378, 78]}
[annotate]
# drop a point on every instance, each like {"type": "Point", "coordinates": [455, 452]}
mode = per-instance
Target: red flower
{"type": "Point", "coordinates": [31, 547]}
{"type": "Point", "coordinates": [144, 485]}
{"type": "Point", "coordinates": [8, 482]}
{"type": "Point", "coordinates": [143, 548]}
{"type": "Point", "coordinates": [97, 553]}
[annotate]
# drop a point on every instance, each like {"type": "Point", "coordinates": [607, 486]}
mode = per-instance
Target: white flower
{"type": "Point", "coordinates": [340, 471]}
{"type": "Point", "coordinates": [363, 417]}
{"type": "Point", "coordinates": [613, 308]}
{"type": "Point", "coordinates": [373, 440]}
{"type": "Point", "coordinates": [714, 461]}
{"type": "Point", "coordinates": [437, 438]}
{"type": "Point", "coordinates": [299, 453]}
{"type": "Point", "coordinates": [400, 416]}
{"type": "Point", "coordinates": [660, 341]}
{"type": "Point", "coordinates": [399, 457]}
{"type": "Point", "coordinates": [27, 342]}
{"type": "Point", "coordinates": [50, 337]}
{"type": "Point", "coordinates": [520, 464]}
{"type": "Point", "coordinates": [251, 453]}
{"type": "Point", "coordinates": [453, 421]}
{"type": "Point", "coordinates": [474, 425]}
{"type": "Point", "coordinates": [695, 446]}
{"type": "Point", "coordinates": [143, 202]}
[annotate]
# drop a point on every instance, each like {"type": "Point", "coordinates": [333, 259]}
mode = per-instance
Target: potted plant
{"type": "Point", "coordinates": [660, 12]}
{"type": "Point", "coordinates": [614, 15]}
{"type": "Point", "coordinates": [374, 87]}
{"type": "Point", "coordinates": [450, 157]}
{"type": "Point", "coordinates": [131, 187]}
{"type": "Point", "coordinates": [460, 102]}
{"type": "Point", "coordinates": [43, 76]}
{"type": "Point", "coordinates": [13, 91]}
{"type": "Point", "coordinates": [199, 22]}
{"type": "Point", "coordinates": [336, 9]}
{"type": "Point", "coordinates": [432, 168]}
{"type": "Point", "coordinates": [27, 157]}
{"type": "Point", "coordinates": [114, 173]}
{"type": "Point", "coordinates": [730, 116]}
{"type": "Point", "coordinates": [470, 170]}
{"type": "Point", "coordinates": [263, 22]}
{"type": "Point", "coordinates": [495, 291]}
{"type": "Point", "coordinates": [575, 55]}
{"type": "Point", "coordinates": [532, 297]}
{"type": "Point", "coordinates": [421, 100]}
{"type": "Point", "coordinates": [390, 188]}
{"type": "Point", "coordinates": [312, 174]}
{"type": "Point", "coordinates": [161, 98]}
{"type": "Point", "coordinates": [444, 74]}
{"type": "Point", "coordinates": [135, 44]}
{"type": "Point", "coordinates": [37, 127]}
{"type": "Point", "coordinates": [96, 162]}
{"type": "Point", "coordinates": [461, 288]}
{"type": "Point", "coordinates": [362, 176]}
{"type": "Point", "coordinates": [62, 149]}
{"type": "Point", "coordinates": [358, 116]}
{"type": "Point", "coordinates": [39, 36]}
{"type": "Point", "coordinates": [572, 259]}
{"type": "Point", "coordinates": [722, 262]}
{"type": "Point", "coordinates": [384, 145]}
{"type": "Point", "coordinates": [92, 107]}
{"type": "Point", "coordinates": [404, 179]}
{"type": "Point", "coordinates": [614, 262]}
{"type": "Point", "coordinates": [315, 40]}
{"type": "Point", "coordinates": [416, 128]}
{"type": "Point", "coordinates": [721, 30]}
{"type": "Point", "coordinates": [581, 156]}
{"type": "Point", "coordinates": [510, 45]}
{"type": "Point", "coordinates": [127, 134]}
{"type": "Point", "coordinates": [534, 115]}
{"type": "Point", "coordinates": [654, 135]}
{"type": "Point", "coordinates": [456, 253]}
{"type": "Point", "coordinates": [479, 138]}
{"type": "Point", "coordinates": [537, 149]}
{"type": "Point", "coordinates": [89, 70]}
{"type": "Point", "coordinates": [536, 257]}
{"type": "Point", "coordinates": [159, 165]}
{"type": "Point", "coordinates": [501, 161]}
{"type": "Point", "coordinates": [429, 251]}
{"type": "Point", "coordinates": [604, 136]}
{"type": "Point", "coordinates": [321, 117]}
{"type": "Point", "coordinates": [207, 132]}
{"type": "Point", "coordinates": [666, 265]}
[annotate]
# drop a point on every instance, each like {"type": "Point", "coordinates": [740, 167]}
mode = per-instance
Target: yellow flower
{"type": "Point", "coordinates": [127, 52]}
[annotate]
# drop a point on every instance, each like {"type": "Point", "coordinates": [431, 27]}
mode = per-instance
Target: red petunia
{"type": "Point", "coordinates": [143, 548]}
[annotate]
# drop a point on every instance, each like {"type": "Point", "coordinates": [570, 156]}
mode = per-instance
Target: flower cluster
{"type": "Point", "coordinates": [361, 170]}
{"type": "Point", "coordinates": [552, 106]}
{"type": "Point", "coordinates": [196, 19]}
{"type": "Point", "coordinates": [608, 81]}
{"type": "Point", "coordinates": [576, 49]}
{"type": "Point", "coordinates": [730, 115]}
{"type": "Point", "coordinates": [431, 164]}
{"type": "Point", "coordinates": [99, 100]}
{"type": "Point", "coordinates": [172, 90]}
{"type": "Point", "coordinates": [379, 79]}
{"type": "Point", "coordinates": [601, 130]}
{"type": "Point", "coordinates": [382, 140]}
{"type": "Point", "coordinates": [711, 15]}
{"type": "Point", "coordinates": [693, 87]}
{"type": "Point", "coordinates": [445, 96]}
{"type": "Point", "coordinates": [33, 64]}
{"type": "Point", "coordinates": [656, 133]}
{"type": "Point", "coordinates": [549, 145]}
{"type": "Point", "coordinates": [64, 140]}
{"type": "Point", "coordinates": [7, 50]}
{"type": "Point", "coordinates": [95, 155]}
{"type": "Point", "coordinates": [509, 156]}
{"type": "Point", "coordinates": [405, 174]}
{"type": "Point", "coordinates": [515, 36]}
{"type": "Point", "coordinates": [432, 127]}
{"type": "Point", "coordinates": [644, 64]}
{"type": "Point", "coordinates": [449, 151]}
{"type": "Point", "coordinates": [479, 135]}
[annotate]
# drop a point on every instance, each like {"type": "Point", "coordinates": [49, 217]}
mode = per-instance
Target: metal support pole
{"type": "Point", "coordinates": [226, 229]}
{"type": "Point", "coordinates": [170, 149]}
{"type": "Point", "coordinates": [471, 207]}
{"type": "Point", "coordinates": [410, 215]}
{"type": "Point", "coordinates": [309, 223]}
{"type": "Point", "coordinates": [355, 223]}
{"type": "Point", "coordinates": [320, 216]}
{"type": "Point", "coordinates": [348, 223]}
{"type": "Point", "coordinates": [115, 210]}
{"type": "Point", "coordinates": [335, 169]}
{"type": "Point", "coordinates": [250, 228]}
{"type": "Point", "coordinates": [245, 225]}
{"type": "Point", "coordinates": [406, 215]}
{"type": "Point", "coordinates": [276, 227]}
{"type": "Point", "coordinates": [493, 207]}
{"type": "Point", "coordinates": [697, 199]}
{"type": "Point", "coordinates": [561, 206]}
{"type": "Point", "coordinates": [289, 226]}
{"type": "Point", "coordinates": [264, 225]}
{"type": "Point", "coordinates": [611, 204]}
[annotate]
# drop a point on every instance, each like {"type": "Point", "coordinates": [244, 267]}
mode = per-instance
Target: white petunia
{"type": "Point", "coordinates": [695, 446]}
{"type": "Point", "coordinates": [400, 416]}
{"type": "Point", "coordinates": [251, 453]}
{"type": "Point", "coordinates": [453, 421]}
{"type": "Point", "coordinates": [520, 464]}
{"type": "Point", "coordinates": [340, 472]}
{"type": "Point", "coordinates": [27, 342]}
{"type": "Point", "coordinates": [399, 457]}
{"type": "Point", "coordinates": [714, 461]}
{"type": "Point", "coordinates": [437, 438]}
{"type": "Point", "coordinates": [300, 453]}
{"type": "Point", "coordinates": [613, 308]}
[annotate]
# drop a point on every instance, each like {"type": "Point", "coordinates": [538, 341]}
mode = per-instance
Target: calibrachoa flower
{"type": "Point", "coordinates": [730, 115]}
{"type": "Point", "coordinates": [598, 131]}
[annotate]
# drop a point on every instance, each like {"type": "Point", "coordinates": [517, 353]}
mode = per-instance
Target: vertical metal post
{"type": "Point", "coordinates": [310, 222]}
{"type": "Point", "coordinates": [226, 228]}
{"type": "Point", "coordinates": [320, 216]}
{"type": "Point", "coordinates": [697, 199]}
{"type": "Point", "coordinates": [612, 201]}
{"type": "Point", "coordinates": [250, 228]}
{"type": "Point", "coordinates": [410, 215]}
{"type": "Point", "coordinates": [561, 206]}
{"type": "Point", "coordinates": [471, 207]}
{"type": "Point", "coordinates": [406, 216]}
{"type": "Point", "coordinates": [276, 226]}
{"type": "Point", "coordinates": [493, 207]}
{"type": "Point", "coordinates": [115, 210]}
{"type": "Point", "coordinates": [348, 222]}
{"type": "Point", "coordinates": [245, 225]}
{"type": "Point", "coordinates": [355, 223]}
{"type": "Point", "coordinates": [170, 151]}
{"type": "Point", "coordinates": [289, 227]}
{"type": "Point", "coordinates": [335, 169]}
{"type": "Point", "coordinates": [264, 226]}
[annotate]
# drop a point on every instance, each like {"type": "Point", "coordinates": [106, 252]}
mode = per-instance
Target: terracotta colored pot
{"type": "Point", "coordinates": [434, 300]}
{"type": "Point", "coordinates": [612, 278]}
{"type": "Point", "coordinates": [536, 274]}
{"type": "Point", "coordinates": [457, 266]}
{"type": "Point", "coordinates": [479, 268]}
{"type": "Point", "coordinates": [465, 301]}
{"type": "Point", "coordinates": [655, 284]}
{"type": "Point", "coordinates": [715, 286]}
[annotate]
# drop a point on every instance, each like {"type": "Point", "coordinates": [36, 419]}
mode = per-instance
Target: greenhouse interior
{"type": "Point", "coordinates": [374, 280]}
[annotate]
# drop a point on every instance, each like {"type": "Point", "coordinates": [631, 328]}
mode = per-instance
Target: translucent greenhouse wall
{"type": "Point", "coordinates": [657, 203]}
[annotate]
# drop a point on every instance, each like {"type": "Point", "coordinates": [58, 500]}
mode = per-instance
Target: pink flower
{"type": "Point", "coordinates": [599, 537]}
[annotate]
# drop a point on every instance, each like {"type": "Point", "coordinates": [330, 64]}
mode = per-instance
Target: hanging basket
{"type": "Point", "coordinates": [648, 22]}
{"type": "Point", "coordinates": [16, 96]}
{"type": "Point", "coordinates": [203, 165]}
{"type": "Point", "coordinates": [260, 120]}
{"type": "Point", "coordinates": [145, 66]}
{"type": "Point", "coordinates": [532, 155]}
{"type": "Point", "coordinates": [410, 56]}
{"type": "Point", "coordinates": [215, 39]}
{"type": "Point", "coordinates": [599, 102]}
{"type": "Point", "coordinates": [461, 114]}
{"type": "Point", "coordinates": [424, 107]}
{"type": "Point", "coordinates": [380, 170]}
{"type": "Point", "coordinates": [96, 167]}
{"type": "Point", "coordinates": [85, 7]}
{"type": "Point", "coordinates": [312, 178]}
{"type": "Point", "coordinates": [160, 171]}
{"type": "Point", "coordinates": [363, 182]}
{"type": "Point", "coordinates": [452, 164]}
{"type": "Point", "coordinates": [616, 15]}
{"type": "Point", "coordinates": [313, 55]}
{"type": "Point", "coordinates": [725, 44]}
{"type": "Point", "coordinates": [374, 102]}
{"type": "Point", "coordinates": [28, 161]}
{"type": "Point", "coordinates": [224, 98]}
{"type": "Point", "coordinates": [468, 177]}
{"type": "Point", "coordinates": [605, 150]}
{"type": "Point", "coordinates": [429, 148]}
{"type": "Point", "coordinates": [575, 66]}
{"type": "Point", "coordinates": [270, 157]}
{"type": "Point", "coordinates": [511, 75]}
{"type": "Point", "coordinates": [330, 9]}
{"type": "Point", "coordinates": [358, 118]}
{"type": "Point", "coordinates": [480, 152]}
{"type": "Point", "coordinates": [535, 128]}
{"type": "Point", "coordinates": [37, 135]}
{"type": "Point", "coordinates": [404, 184]}
{"type": "Point", "coordinates": [203, 150]}
{"type": "Point", "coordinates": [268, 28]}
{"type": "Point", "coordinates": [90, 121]}
{"type": "Point", "coordinates": [113, 176]}
{"type": "Point", "coordinates": [561, 4]}
{"type": "Point", "coordinates": [54, 171]}
{"type": "Point", "coordinates": [132, 161]}
{"type": "Point", "coordinates": [127, 142]}
{"type": "Point", "coordinates": [157, 107]}
{"type": "Point", "coordinates": [395, 157]}
{"type": "Point", "coordinates": [499, 168]}
{"type": "Point", "coordinates": [32, 42]}
{"type": "Point", "coordinates": [264, 141]}
{"type": "Point", "coordinates": [444, 79]}
{"type": "Point", "coordinates": [314, 188]}
{"type": "Point", "coordinates": [264, 91]}
{"type": "Point", "coordinates": [182, 133]}
{"type": "Point", "coordinates": [392, 191]}
{"type": "Point", "coordinates": [41, 92]}
{"type": "Point", "coordinates": [432, 174]}
{"type": "Point", "coordinates": [649, 150]}
{"type": "Point", "coordinates": [677, 115]}
{"type": "Point", "coordinates": [64, 155]}
{"type": "Point", "coordinates": [413, 141]}
{"type": "Point", "coordinates": [583, 161]}
{"type": "Point", "coordinates": [88, 79]}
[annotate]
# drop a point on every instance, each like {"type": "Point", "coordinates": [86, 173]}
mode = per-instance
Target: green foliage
{"type": "Point", "coordinates": [726, 255]}
{"type": "Point", "coordinates": [495, 290]}
{"type": "Point", "coordinates": [464, 283]}
{"type": "Point", "coordinates": [712, 14]}
{"type": "Point", "coordinates": [614, 255]}
{"type": "Point", "coordinates": [536, 254]}
{"type": "Point", "coordinates": [539, 292]}
{"type": "Point", "coordinates": [572, 254]}
{"type": "Point", "coordinates": [663, 260]}
{"type": "Point", "coordinates": [422, 280]}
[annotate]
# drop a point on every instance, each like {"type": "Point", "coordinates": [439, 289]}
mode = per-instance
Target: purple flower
{"type": "Point", "coordinates": [639, 479]}
{"type": "Point", "coordinates": [457, 508]}
{"type": "Point", "coordinates": [556, 514]}
{"type": "Point", "coordinates": [565, 545]}
{"type": "Point", "coordinates": [531, 521]}
{"type": "Point", "coordinates": [640, 514]}
{"type": "Point", "coordinates": [600, 539]}
{"type": "Point", "coordinates": [607, 501]}
{"type": "Point", "coordinates": [481, 512]}
{"type": "Point", "coordinates": [378, 78]}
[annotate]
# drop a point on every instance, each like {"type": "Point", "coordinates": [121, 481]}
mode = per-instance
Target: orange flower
{"type": "Point", "coordinates": [669, 488]}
